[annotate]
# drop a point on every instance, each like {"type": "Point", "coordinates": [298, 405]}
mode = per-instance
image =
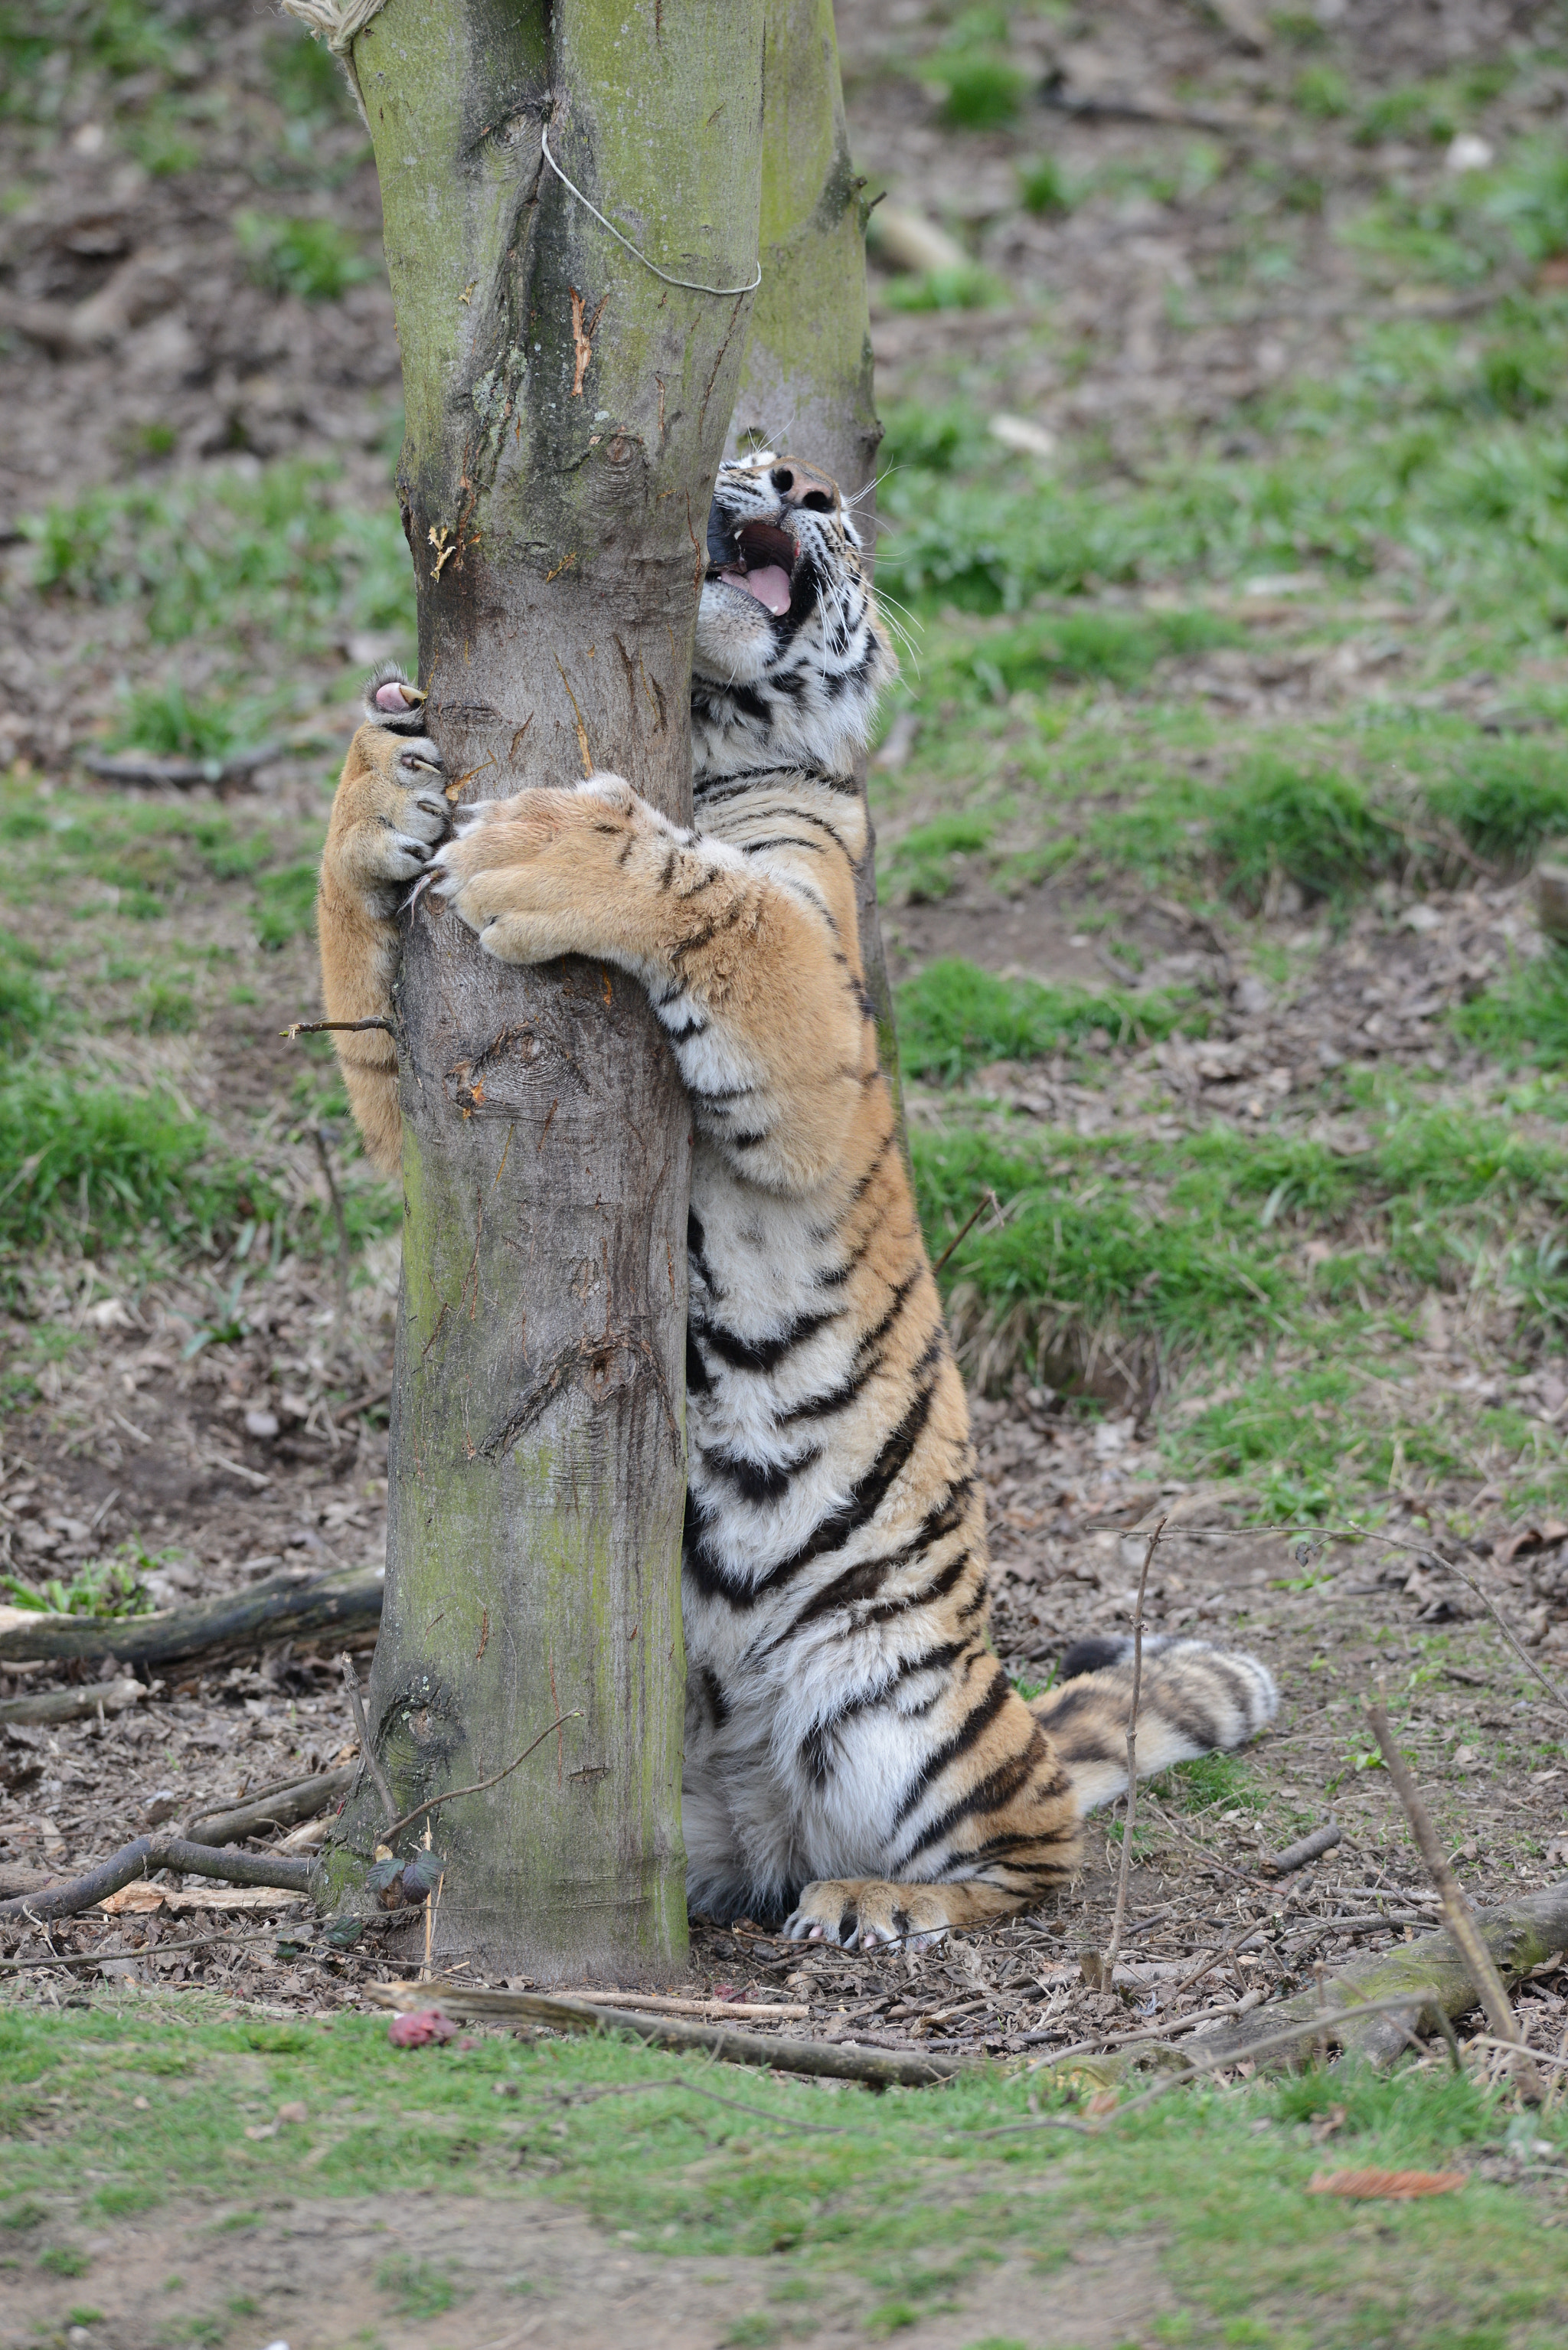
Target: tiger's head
{"type": "Point", "coordinates": [791, 654]}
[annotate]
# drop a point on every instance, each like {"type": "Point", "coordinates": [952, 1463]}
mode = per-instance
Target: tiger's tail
{"type": "Point", "coordinates": [1192, 1699]}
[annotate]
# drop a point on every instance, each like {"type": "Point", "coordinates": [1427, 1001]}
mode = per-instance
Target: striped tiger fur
{"type": "Point", "coordinates": [857, 1762]}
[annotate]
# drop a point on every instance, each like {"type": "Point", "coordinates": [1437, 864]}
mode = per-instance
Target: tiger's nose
{"type": "Point", "coordinates": [799, 485]}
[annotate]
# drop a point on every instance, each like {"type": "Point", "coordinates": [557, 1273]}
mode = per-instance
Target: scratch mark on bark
{"type": "Point", "coordinates": [484, 1634]}
{"type": "Point", "coordinates": [588, 758]}
{"type": "Point", "coordinates": [584, 329]}
{"type": "Point", "coordinates": [549, 1121]}
{"type": "Point", "coordinates": [505, 1149]}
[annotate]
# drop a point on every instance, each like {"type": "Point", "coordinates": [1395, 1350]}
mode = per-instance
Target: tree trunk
{"type": "Point", "coordinates": [807, 378]}
{"type": "Point", "coordinates": [565, 412]}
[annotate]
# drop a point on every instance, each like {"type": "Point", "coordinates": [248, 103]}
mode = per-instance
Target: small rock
{"type": "Point", "coordinates": [1468, 152]}
{"type": "Point", "coordinates": [262, 1424]}
{"type": "Point", "coordinates": [294, 2112]}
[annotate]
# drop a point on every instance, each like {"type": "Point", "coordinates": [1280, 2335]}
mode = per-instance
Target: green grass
{"type": "Point", "coordinates": [895, 2193]}
{"type": "Point", "coordinates": [1069, 648]}
{"type": "Point", "coordinates": [24, 1002]}
{"type": "Point", "coordinates": [100, 1586]}
{"type": "Point", "coordinates": [164, 720]}
{"type": "Point", "coordinates": [955, 1017]}
{"type": "Point", "coordinates": [315, 259]}
{"type": "Point", "coordinates": [1274, 1283]}
{"type": "Point", "coordinates": [1316, 830]}
{"type": "Point", "coordinates": [1525, 1016]}
{"type": "Point", "coordinates": [90, 1165]}
{"type": "Point", "coordinates": [286, 903]}
{"type": "Point", "coordinates": [217, 556]}
{"type": "Point", "coordinates": [925, 863]}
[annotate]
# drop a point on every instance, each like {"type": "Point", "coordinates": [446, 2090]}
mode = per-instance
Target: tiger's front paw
{"type": "Point", "coordinates": [392, 807]}
{"type": "Point", "coordinates": [536, 875]}
{"type": "Point", "coordinates": [868, 1913]}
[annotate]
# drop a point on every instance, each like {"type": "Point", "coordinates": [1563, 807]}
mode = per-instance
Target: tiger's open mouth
{"type": "Point", "coordinates": [756, 557]}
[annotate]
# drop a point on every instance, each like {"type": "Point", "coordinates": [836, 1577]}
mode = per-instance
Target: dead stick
{"type": "Point", "coordinates": [885, 2068]}
{"type": "Point", "coordinates": [990, 1200]}
{"type": "Point", "coordinates": [479, 1784]}
{"type": "Point", "coordinates": [323, 1027]}
{"type": "Point", "coordinates": [341, 1220]}
{"type": "Point", "coordinates": [1109, 1962]}
{"type": "Point", "coordinates": [150, 1853]}
{"type": "Point", "coordinates": [1296, 1856]}
{"type": "Point", "coordinates": [1462, 1926]}
{"type": "Point", "coordinates": [383, 1786]}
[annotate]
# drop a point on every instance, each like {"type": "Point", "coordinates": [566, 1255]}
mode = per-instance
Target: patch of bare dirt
{"type": "Point", "coordinates": [317, 2276]}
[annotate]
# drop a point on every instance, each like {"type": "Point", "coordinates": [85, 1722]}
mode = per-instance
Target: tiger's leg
{"type": "Point", "coordinates": [1007, 1822]}
{"type": "Point", "coordinates": [769, 1030]}
{"type": "Point", "coordinates": [987, 1822]}
{"type": "Point", "coordinates": [389, 812]}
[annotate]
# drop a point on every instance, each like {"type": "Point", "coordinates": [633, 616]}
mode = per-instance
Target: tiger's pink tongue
{"type": "Point", "coordinates": [770, 585]}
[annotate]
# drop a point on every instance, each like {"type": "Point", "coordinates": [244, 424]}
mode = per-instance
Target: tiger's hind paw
{"type": "Point", "coordinates": [867, 1914]}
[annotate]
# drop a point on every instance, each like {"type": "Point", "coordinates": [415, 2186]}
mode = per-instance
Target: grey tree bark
{"type": "Point", "coordinates": [565, 412]}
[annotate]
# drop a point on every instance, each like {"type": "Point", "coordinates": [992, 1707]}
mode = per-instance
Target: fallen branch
{"type": "Point", "coordinates": [1296, 1856]}
{"type": "Point", "coordinates": [282, 1806]}
{"type": "Point", "coordinates": [748, 2011]}
{"type": "Point", "coordinates": [284, 1607]}
{"type": "Point", "coordinates": [147, 768]}
{"type": "Point", "coordinates": [964, 1230]}
{"type": "Point", "coordinates": [1484, 1970]}
{"type": "Point", "coordinates": [144, 1857]}
{"type": "Point", "coordinates": [882, 2069]}
{"type": "Point", "coordinates": [1424, 1981]}
{"type": "Point", "coordinates": [73, 1704]}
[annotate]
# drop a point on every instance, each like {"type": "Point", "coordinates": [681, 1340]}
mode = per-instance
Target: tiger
{"type": "Point", "coordinates": [859, 1767]}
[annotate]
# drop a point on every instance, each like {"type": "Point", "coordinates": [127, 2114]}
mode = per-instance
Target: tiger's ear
{"type": "Point", "coordinates": [390, 700]}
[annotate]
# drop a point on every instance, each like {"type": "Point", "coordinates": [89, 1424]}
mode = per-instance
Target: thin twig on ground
{"type": "Point", "coordinates": [150, 1951]}
{"type": "Point", "coordinates": [1108, 1963]}
{"type": "Point", "coordinates": [1460, 1918]}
